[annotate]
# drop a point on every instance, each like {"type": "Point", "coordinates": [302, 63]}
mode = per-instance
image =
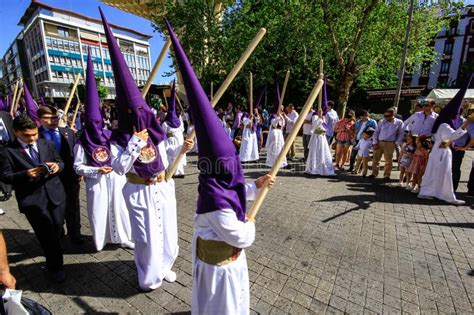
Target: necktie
{"type": "Point", "coordinates": [33, 154]}
{"type": "Point", "coordinates": [56, 138]}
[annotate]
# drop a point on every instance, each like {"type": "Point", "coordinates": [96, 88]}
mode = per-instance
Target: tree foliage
{"type": "Point", "coordinates": [102, 90]}
{"type": "Point", "coordinates": [361, 42]}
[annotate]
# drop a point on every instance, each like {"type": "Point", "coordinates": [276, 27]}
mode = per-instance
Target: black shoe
{"type": "Point", "coordinates": [178, 176]}
{"type": "Point", "coordinates": [77, 239]}
{"type": "Point", "coordinates": [386, 179]}
{"type": "Point", "coordinates": [350, 170]}
{"type": "Point", "coordinates": [58, 276]}
{"type": "Point", "coordinates": [372, 176]}
{"type": "Point", "coordinates": [5, 197]}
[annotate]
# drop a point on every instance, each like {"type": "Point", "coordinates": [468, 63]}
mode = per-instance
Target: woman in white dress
{"type": "Point", "coordinates": [174, 129]}
{"type": "Point", "coordinates": [249, 146]}
{"type": "Point", "coordinates": [319, 160]}
{"type": "Point", "coordinates": [106, 208]}
{"type": "Point", "coordinates": [275, 140]}
{"type": "Point", "coordinates": [437, 182]}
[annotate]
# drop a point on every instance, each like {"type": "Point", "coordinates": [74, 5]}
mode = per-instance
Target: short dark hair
{"type": "Point", "coordinates": [390, 110]}
{"type": "Point", "coordinates": [43, 110]}
{"type": "Point", "coordinates": [331, 103]}
{"type": "Point", "coordinates": [364, 113]}
{"type": "Point", "coordinates": [24, 122]}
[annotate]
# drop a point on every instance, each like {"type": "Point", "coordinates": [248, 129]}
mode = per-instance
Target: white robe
{"type": "Point", "coordinates": [106, 208]}
{"type": "Point", "coordinates": [249, 146]}
{"type": "Point", "coordinates": [438, 178]}
{"type": "Point", "coordinates": [175, 145]}
{"type": "Point", "coordinates": [275, 142]}
{"type": "Point", "coordinates": [153, 217]}
{"type": "Point", "coordinates": [222, 289]}
{"type": "Point", "coordinates": [319, 160]}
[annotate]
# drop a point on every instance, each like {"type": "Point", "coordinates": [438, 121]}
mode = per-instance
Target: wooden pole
{"type": "Point", "coordinates": [212, 90]}
{"type": "Point", "coordinates": [69, 100]}
{"type": "Point", "coordinates": [321, 77]}
{"type": "Point", "coordinates": [251, 94]}
{"type": "Point", "coordinates": [283, 91]}
{"type": "Point", "coordinates": [73, 122]}
{"type": "Point", "coordinates": [164, 99]}
{"type": "Point", "coordinates": [179, 104]}
{"type": "Point", "coordinates": [156, 66]}
{"type": "Point", "coordinates": [228, 80]}
{"type": "Point", "coordinates": [12, 109]}
{"type": "Point", "coordinates": [291, 137]}
{"type": "Point", "coordinates": [17, 101]}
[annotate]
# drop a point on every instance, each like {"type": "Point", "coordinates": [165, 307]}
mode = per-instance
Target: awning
{"type": "Point", "coordinates": [441, 96]}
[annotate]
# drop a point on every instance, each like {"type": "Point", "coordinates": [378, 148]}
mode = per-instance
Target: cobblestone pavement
{"type": "Point", "coordinates": [345, 244]}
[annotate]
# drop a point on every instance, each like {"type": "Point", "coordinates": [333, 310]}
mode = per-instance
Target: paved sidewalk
{"type": "Point", "coordinates": [345, 244]}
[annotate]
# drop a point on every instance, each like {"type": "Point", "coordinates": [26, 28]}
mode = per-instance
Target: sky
{"type": "Point", "coordinates": [12, 10]}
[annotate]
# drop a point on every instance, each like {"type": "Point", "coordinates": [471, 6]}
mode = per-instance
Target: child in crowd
{"type": "Point", "coordinates": [406, 156]}
{"type": "Point", "coordinates": [363, 147]}
{"type": "Point", "coordinates": [418, 164]}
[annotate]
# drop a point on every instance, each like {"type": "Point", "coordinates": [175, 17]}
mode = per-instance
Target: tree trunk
{"type": "Point", "coordinates": [343, 89]}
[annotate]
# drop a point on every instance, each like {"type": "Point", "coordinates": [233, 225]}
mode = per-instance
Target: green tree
{"type": "Point", "coordinates": [102, 90]}
{"type": "Point", "coordinates": [361, 41]}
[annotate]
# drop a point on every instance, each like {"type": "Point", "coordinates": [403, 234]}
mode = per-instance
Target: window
{"type": "Point", "coordinates": [445, 67]}
{"type": "Point", "coordinates": [448, 47]}
{"type": "Point", "coordinates": [64, 32]}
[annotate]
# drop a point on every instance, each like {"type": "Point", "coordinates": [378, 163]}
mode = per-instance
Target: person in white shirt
{"type": "Point", "coordinates": [290, 118]}
{"type": "Point", "coordinates": [331, 120]}
{"type": "Point", "coordinates": [307, 128]}
{"type": "Point", "coordinates": [421, 123]}
{"type": "Point", "coordinates": [363, 151]}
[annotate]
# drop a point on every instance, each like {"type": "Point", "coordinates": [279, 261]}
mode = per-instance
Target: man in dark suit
{"type": "Point", "coordinates": [64, 140]}
{"type": "Point", "coordinates": [32, 165]}
{"type": "Point", "coordinates": [7, 136]}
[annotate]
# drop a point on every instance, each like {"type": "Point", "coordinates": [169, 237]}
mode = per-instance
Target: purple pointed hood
{"type": "Point", "coordinates": [30, 105]}
{"type": "Point", "coordinates": [451, 110]}
{"type": "Point", "coordinates": [133, 111]}
{"type": "Point", "coordinates": [277, 99]}
{"type": "Point", "coordinates": [324, 105]}
{"type": "Point", "coordinates": [3, 106]}
{"type": "Point", "coordinates": [172, 119]}
{"type": "Point", "coordinates": [256, 103]}
{"type": "Point", "coordinates": [221, 180]}
{"type": "Point", "coordinates": [94, 138]}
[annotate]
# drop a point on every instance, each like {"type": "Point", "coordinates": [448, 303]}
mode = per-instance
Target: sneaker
{"type": "Point", "coordinates": [425, 197]}
{"type": "Point", "coordinates": [415, 190]}
{"type": "Point", "coordinates": [171, 276]}
{"type": "Point", "coordinates": [457, 202]}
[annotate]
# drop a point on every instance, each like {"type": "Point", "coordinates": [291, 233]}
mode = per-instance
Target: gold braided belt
{"type": "Point", "coordinates": [216, 253]}
{"type": "Point", "coordinates": [445, 144]}
{"type": "Point", "coordinates": [137, 180]}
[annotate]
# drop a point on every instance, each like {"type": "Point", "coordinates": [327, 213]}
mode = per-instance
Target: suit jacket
{"type": "Point", "coordinates": [68, 140]}
{"type": "Point", "coordinates": [29, 193]}
{"type": "Point", "coordinates": [8, 121]}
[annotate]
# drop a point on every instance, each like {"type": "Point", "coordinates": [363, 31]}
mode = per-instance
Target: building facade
{"type": "Point", "coordinates": [52, 50]}
{"type": "Point", "coordinates": [455, 49]}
